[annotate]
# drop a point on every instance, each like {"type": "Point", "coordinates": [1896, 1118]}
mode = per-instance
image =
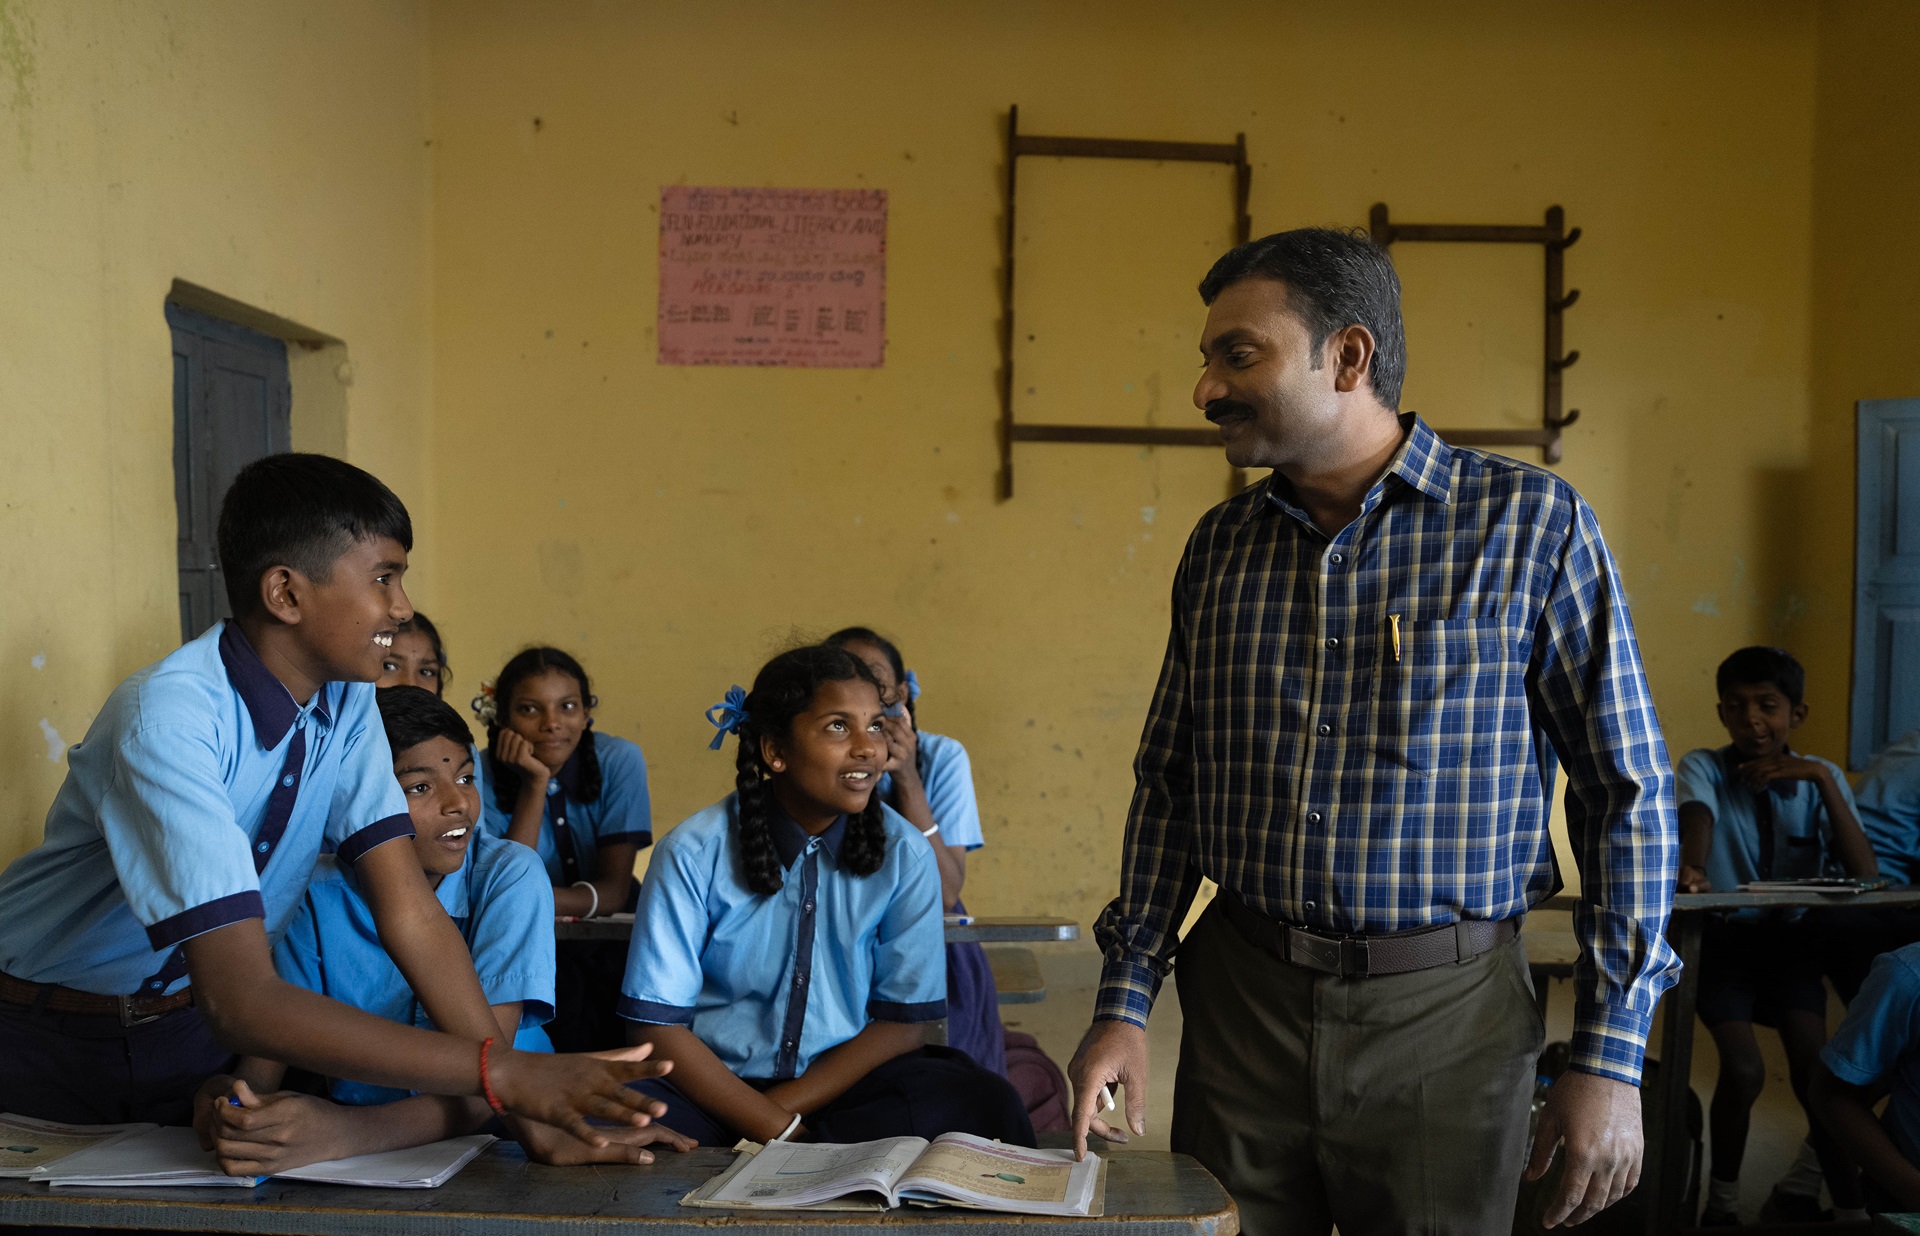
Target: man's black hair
{"type": "Point", "coordinates": [301, 511]}
{"type": "Point", "coordinates": [414, 715]}
{"type": "Point", "coordinates": [1334, 279]}
{"type": "Point", "coordinates": [1761, 664]}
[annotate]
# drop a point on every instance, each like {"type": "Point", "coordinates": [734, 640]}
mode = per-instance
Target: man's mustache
{"type": "Point", "coordinates": [1221, 409]}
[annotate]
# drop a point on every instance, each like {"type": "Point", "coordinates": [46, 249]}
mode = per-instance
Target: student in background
{"type": "Point", "coordinates": [929, 780]}
{"type": "Point", "coordinates": [1876, 1054]}
{"type": "Point", "coordinates": [1888, 799]}
{"type": "Point", "coordinates": [786, 949]}
{"type": "Point", "coordinates": [580, 799]}
{"type": "Point", "coordinates": [496, 894]}
{"type": "Point", "coordinates": [134, 956]}
{"type": "Point", "coordinates": [1757, 810]}
{"type": "Point", "coordinates": [417, 658]}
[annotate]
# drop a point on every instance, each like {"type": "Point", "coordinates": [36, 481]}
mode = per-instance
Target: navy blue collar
{"type": "Point", "coordinates": [790, 840]}
{"type": "Point", "coordinates": [268, 701]}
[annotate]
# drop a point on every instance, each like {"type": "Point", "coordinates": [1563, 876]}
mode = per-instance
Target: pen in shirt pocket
{"type": "Point", "coordinates": [1393, 627]}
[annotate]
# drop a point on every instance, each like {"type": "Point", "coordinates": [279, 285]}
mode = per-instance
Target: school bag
{"type": "Point", "coordinates": [1040, 1083]}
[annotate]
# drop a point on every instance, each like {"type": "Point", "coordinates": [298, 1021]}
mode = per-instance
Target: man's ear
{"type": "Point", "coordinates": [281, 590]}
{"type": "Point", "coordinates": [1350, 355]}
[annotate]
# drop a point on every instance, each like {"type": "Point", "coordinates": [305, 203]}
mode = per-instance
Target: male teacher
{"type": "Point", "coordinates": [1377, 656]}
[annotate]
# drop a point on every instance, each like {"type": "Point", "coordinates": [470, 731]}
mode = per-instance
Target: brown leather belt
{"type": "Point", "coordinates": [1355, 956]}
{"type": "Point", "coordinates": [130, 1010]}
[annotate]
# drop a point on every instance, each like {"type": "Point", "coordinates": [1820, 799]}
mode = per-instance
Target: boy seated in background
{"type": "Point", "coordinates": [1873, 1055]}
{"type": "Point", "coordinates": [1757, 810]}
{"type": "Point", "coordinates": [497, 894]}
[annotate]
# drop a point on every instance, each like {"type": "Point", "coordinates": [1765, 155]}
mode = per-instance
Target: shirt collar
{"type": "Point", "coordinates": [1423, 463]}
{"type": "Point", "coordinates": [452, 889]}
{"type": "Point", "coordinates": [569, 776]}
{"type": "Point", "coordinates": [790, 840]}
{"type": "Point", "coordinates": [268, 701]}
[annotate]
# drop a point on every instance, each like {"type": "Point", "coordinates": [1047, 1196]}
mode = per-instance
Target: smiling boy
{"type": "Point", "coordinates": [494, 890]}
{"type": "Point", "coordinates": [1758, 810]}
{"type": "Point", "coordinates": [135, 940]}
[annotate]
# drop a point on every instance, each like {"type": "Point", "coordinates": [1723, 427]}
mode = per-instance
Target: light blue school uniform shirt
{"type": "Point", "coordinates": [623, 812]}
{"type": "Point", "coordinates": [503, 904]}
{"type": "Point", "coordinates": [769, 982]}
{"type": "Point", "coordinates": [948, 775]}
{"type": "Point", "coordinates": [1888, 804]}
{"type": "Point", "coordinates": [200, 796]}
{"type": "Point", "coordinates": [1802, 834]}
{"type": "Point", "coordinates": [1880, 1040]}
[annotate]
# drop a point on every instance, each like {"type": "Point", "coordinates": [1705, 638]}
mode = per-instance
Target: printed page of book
{"type": "Point", "coordinates": [1000, 1177]}
{"type": "Point", "coordinates": [787, 1174]}
{"type": "Point", "coordinates": [27, 1144]}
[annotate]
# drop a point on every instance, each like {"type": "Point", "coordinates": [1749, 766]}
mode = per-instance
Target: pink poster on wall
{"type": "Point", "coordinates": [791, 277]}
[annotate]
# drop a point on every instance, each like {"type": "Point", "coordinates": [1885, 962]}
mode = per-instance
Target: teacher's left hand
{"type": "Point", "coordinates": [1597, 1120]}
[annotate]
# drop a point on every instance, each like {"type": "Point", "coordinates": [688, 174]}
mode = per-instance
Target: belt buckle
{"type": "Point", "coordinates": [1313, 952]}
{"type": "Point", "coordinates": [129, 1019]}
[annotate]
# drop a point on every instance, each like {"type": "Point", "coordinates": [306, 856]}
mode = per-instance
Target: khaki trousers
{"type": "Point", "coordinates": [1389, 1105]}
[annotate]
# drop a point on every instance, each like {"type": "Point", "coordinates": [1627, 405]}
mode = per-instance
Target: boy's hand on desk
{"type": "Point", "coordinates": [555, 1147]}
{"type": "Point", "coordinates": [278, 1132]}
{"type": "Point", "coordinates": [510, 748]}
{"type": "Point", "coordinates": [207, 1102]}
{"type": "Point", "coordinates": [564, 1090]}
{"type": "Point", "coordinates": [1693, 880]}
{"type": "Point", "coordinates": [1782, 767]}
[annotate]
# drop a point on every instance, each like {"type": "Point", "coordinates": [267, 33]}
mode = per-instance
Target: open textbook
{"type": "Point", "coordinates": [172, 1156]}
{"type": "Point", "coordinates": [27, 1145]}
{"type": "Point", "coordinates": [954, 1169]}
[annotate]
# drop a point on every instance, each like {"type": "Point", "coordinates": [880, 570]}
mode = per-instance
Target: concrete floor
{"type": "Point", "coordinates": [1072, 972]}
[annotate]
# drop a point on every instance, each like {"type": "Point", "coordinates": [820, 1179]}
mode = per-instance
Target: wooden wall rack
{"type": "Point", "coordinates": [1556, 240]}
{"type": "Point", "coordinates": [1232, 153]}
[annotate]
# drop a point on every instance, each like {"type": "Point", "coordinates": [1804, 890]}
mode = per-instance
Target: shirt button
{"type": "Point", "coordinates": [264, 846]}
{"type": "Point", "coordinates": [287, 780]}
{"type": "Point", "coordinates": [1323, 729]}
{"type": "Point", "coordinates": [807, 908]}
{"type": "Point", "coordinates": [1333, 641]}
{"type": "Point", "coordinates": [1310, 907]}
{"type": "Point", "coordinates": [1313, 817]}
{"type": "Point", "coordinates": [799, 980]}
{"type": "Point", "coordinates": [1336, 559]}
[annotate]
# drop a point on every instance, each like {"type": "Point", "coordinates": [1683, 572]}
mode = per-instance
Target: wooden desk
{"type": "Point", "coordinates": [501, 1194]}
{"type": "Point", "coordinates": [1016, 975]}
{"type": "Point", "coordinates": [983, 930]}
{"type": "Point", "coordinates": [1665, 1176]}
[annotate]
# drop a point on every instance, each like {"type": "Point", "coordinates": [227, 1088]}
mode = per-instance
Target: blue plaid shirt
{"type": "Point", "coordinates": [1359, 734]}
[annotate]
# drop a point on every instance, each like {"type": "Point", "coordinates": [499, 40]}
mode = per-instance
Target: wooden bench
{"type": "Point", "coordinates": [1016, 975]}
{"type": "Point", "coordinates": [501, 1194]}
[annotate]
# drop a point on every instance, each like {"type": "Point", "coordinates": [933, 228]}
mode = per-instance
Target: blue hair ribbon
{"type": "Point", "coordinates": [913, 685]}
{"type": "Point", "coordinates": [728, 715]}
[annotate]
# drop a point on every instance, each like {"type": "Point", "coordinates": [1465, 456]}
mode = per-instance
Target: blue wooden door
{"type": "Point", "coordinates": [1886, 602]}
{"type": "Point", "coordinates": [231, 405]}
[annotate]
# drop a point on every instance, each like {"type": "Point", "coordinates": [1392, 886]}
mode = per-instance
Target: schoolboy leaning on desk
{"type": "Point", "coordinates": [134, 940]}
{"type": "Point", "coordinates": [494, 890]}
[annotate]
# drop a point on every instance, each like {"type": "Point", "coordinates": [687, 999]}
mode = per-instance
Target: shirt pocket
{"type": "Point", "coordinates": [1437, 700]}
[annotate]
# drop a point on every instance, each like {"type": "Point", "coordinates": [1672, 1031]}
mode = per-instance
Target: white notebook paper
{"type": "Point", "coordinates": [172, 1156]}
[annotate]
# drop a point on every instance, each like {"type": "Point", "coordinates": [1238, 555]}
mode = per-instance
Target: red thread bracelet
{"type": "Point", "coordinates": [486, 1083]}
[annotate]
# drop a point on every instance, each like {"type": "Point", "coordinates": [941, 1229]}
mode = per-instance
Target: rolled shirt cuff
{"type": "Point", "coordinates": [205, 917]}
{"type": "Point", "coordinates": [1610, 1041]}
{"type": "Point", "coordinates": [377, 833]}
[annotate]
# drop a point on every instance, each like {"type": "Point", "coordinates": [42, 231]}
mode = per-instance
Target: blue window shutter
{"type": "Point", "coordinates": [1886, 602]}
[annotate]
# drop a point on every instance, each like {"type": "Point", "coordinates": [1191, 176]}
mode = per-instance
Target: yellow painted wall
{"type": "Point", "coordinates": [673, 526]}
{"type": "Point", "coordinates": [272, 152]}
{"type": "Point", "coordinates": [1866, 281]}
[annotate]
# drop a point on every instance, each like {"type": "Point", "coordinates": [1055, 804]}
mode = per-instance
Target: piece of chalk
{"type": "Point", "coordinates": [1106, 1098]}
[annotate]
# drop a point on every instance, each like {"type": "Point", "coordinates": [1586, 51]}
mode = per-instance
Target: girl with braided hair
{"type": "Point", "coordinates": [580, 800]}
{"type": "Point", "coordinates": [786, 947]}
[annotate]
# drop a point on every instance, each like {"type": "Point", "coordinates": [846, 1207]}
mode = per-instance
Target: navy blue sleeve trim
{"type": "Point", "coordinates": [378, 833]}
{"type": "Point", "coordinates": [658, 1014]}
{"type": "Point", "coordinates": [886, 1010]}
{"type": "Point", "coordinates": [640, 837]}
{"type": "Point", "coordinates": [220, 912]}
